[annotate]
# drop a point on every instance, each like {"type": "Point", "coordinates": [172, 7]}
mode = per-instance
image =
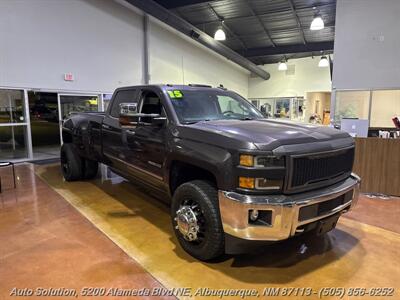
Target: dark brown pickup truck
{"type": "Point", "coordinates": [229, 175]}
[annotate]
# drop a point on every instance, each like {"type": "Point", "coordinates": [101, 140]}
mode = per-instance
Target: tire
{"type": "Point", "coordinates": [210, 242]}
{"type": "Point", "coordinates": [71, 163]}
{"type": "Point", "coordinates": [90, 168]}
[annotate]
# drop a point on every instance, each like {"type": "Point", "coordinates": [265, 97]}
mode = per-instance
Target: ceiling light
{"type": "Point", "coordinates": [219, 35]}
{"type": "Point", "coordinates": [317, 23]}
{"type": "Point", "coordinates": [282, 66]}
{"type": "Point", "coordinates": [324, 62]}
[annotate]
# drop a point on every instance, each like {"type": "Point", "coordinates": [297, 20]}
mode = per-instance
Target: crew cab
{"type": "Point", "coordinates": [230, 175]}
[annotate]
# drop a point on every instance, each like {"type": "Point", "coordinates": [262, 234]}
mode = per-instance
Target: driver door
{"type": "Point", "coordinates": [146, 143]}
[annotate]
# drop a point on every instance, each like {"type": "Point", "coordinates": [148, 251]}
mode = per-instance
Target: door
{"type": "Point", "coordinates": [69, 103]}
{"type": "Point", "coordinates": [113, 146]}
{"type": "Point", "coordinates": [146, 144]}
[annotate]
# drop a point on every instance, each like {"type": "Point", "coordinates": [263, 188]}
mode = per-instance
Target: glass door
{"type": "Point", "coordinates": [14, 143]}
{"type": "Point", "coordinates": [44, 121]}
{"type": "Point", "coordinates": [69, 103]}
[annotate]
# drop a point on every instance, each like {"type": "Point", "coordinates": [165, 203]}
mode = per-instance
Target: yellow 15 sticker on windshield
{"type": "Point", "coordinates": [175, 94]}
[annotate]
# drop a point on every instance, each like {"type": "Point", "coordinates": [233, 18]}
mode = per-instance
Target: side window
{"type": "Point", "coordinates": [124, 96]}
{"type": "Point", "coordinates": [151, 104]}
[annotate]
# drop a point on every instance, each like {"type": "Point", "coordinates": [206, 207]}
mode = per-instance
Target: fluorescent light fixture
{"type": "Point", "coordinates": [219, 35]}
{"type": "Point", "coordinates": [324, 62]}
{"type": "Point", "coordinates": [317, 23]}
{"type": "Point", "coordinates": [282, 66]}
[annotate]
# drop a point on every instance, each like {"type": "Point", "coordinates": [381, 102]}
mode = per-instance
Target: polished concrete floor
{"type": "Point", "coordinates": [46, 242]}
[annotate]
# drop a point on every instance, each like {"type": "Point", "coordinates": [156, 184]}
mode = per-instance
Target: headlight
{"type": "Point", "coordinates": [260, 183]}
{"type": "Point", "coordinates": [270, 161]}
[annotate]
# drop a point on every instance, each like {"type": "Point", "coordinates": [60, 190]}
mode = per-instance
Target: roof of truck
{"type": "Point", "coordinates": [179, 86]}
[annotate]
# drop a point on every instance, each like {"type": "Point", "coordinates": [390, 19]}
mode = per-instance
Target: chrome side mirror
{"type": "Point", "coordinates": [128, 114]}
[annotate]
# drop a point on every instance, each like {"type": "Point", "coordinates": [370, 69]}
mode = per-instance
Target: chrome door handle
{"type": "Point", "coordinates": [106, 126]}
{"type": "Point", "coordinates": [130, 131]}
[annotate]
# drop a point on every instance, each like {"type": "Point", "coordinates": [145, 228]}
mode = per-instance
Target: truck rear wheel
{"type": "Point", "coordinates": [71, 163]}
{"type": "Point", "coordinates": [196, 219]}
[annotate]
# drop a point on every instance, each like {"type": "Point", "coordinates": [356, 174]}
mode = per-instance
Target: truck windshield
{"type": "Point", "coordinates": [200, 105]}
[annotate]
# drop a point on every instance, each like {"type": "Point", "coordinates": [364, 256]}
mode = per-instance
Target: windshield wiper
{"type": "Point", "coordinates": [246, 118]}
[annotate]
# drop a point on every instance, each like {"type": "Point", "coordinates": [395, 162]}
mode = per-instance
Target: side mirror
{"type": "Point", "coordinates": [130, 118]}
{"type": "Point", "coordinates": [127, 114]}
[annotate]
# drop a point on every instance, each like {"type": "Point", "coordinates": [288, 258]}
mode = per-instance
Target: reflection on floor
{"type": "Point", "coordinates": [355, 254]}
{"type": "Point", "coordinates": [45, 242]}
{"type": "Point", "coordinates": [46, 152]}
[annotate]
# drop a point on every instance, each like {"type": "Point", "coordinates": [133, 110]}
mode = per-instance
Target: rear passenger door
{"type": "Point", "coordinates": [113, 146]}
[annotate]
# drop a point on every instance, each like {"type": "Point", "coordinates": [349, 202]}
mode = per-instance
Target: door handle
{"type": "Point", "coordinates": [130, 131]}
{"type": "Point", "coordinates": [106, 126]}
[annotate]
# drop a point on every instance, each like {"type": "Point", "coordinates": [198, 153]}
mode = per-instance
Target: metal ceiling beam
{"type": "Point", "coordinates": [289, 49]}
{"type": "Point", "coordinates": [266, 31]}
{"type": "Point", "coordinates": [157, 11]}
{"type": "Point", "coordinates": [242, 18]}
{"type": "Point", "coordinates": [297, 21]}
{"type": "Point", "coordinates": [170, 4]}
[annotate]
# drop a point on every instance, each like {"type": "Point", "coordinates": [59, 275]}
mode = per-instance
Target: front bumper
{"type": "Point", "coordinates": [283, 209]}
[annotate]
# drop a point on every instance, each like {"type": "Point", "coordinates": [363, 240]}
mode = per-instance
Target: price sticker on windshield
{"type": "Point", "coordinates": [175, 94]}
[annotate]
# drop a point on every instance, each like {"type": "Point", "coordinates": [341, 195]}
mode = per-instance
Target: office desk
{"type": "Point", "coordinates": [377, 162]}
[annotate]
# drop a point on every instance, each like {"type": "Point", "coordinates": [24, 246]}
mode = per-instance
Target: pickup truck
{"type": "Point", "coordinates": [230, 176]}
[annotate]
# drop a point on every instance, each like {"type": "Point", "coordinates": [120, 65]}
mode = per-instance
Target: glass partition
{"type": "Point", "coordinates": [352, 104]}
{"type": "Point", "coordinates": [385, 105]}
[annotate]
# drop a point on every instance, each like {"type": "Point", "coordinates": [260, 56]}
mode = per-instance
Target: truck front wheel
{"type": "Point", "coordinates": [196, 219]}
{"type": "Point", "coordinates": [71, 163]}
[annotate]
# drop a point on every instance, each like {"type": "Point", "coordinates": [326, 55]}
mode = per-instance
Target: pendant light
{"type": "Point", "coordinates": [282, 66]}
{"type": "Point", "coordinates": [324, 62]}
{"type": "Point", "coordinates": [317, 23]}
{"type": "Point", "coordinates": [220, 35]}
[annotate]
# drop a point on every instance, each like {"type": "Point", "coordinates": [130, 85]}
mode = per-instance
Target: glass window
{"type": "Point", "coordinates": [282, 108]}
{"type": "Point", "coordinates": [13, 142]}
{"type": "Point", "coordinates": [352, 104]}
{"type": "Point", "coordinates": [384, 107]}
{"type": "Point", "coordinates": [124, 96]}
{"type": "Point", "coordinates": [267, 107]}
{"type": "Point", "coordinates": [12, 108]}
{"type": "Point", "coordinates": [106, 101]}
{"type": "Point", "coordinates": [195, 106]}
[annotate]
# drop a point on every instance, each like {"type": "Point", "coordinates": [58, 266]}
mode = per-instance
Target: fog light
{"type": "Point", "coordinates": [253, 214]}
{"type": "Point", "coordinates": [246, 182]}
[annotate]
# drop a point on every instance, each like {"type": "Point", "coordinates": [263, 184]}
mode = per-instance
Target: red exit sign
{"type": "Point", "coordinates": [69, 77]}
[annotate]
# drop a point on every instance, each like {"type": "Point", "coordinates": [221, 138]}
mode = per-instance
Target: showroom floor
{"type": "Point", "coordinates": [113, 234]}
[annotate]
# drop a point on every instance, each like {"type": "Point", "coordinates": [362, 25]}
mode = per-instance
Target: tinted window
{"type": "Point", "coordinates": [124, 96]}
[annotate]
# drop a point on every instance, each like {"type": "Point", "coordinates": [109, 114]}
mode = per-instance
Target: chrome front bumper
{"type": "Point", "coordinates": [235, 207]}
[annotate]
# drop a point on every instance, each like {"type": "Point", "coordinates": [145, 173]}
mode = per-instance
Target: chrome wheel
{"type": "Point", "coordinates": [190, 222]}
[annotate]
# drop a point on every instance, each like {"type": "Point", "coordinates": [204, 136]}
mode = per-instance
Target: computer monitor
{"type": "Point", "coordinates": [355, 127]}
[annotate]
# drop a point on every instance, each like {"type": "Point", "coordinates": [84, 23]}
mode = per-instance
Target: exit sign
{"type": "Point", "coordinates": [69, 77]}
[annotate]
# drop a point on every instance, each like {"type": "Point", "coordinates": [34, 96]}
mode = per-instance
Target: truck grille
{"type": "Point", "coordinates": [319, 169]}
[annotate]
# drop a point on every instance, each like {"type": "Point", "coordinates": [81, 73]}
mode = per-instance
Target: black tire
{"type": "Point", "coordinates": [211, 241]}
{"type": "Point", "coordinates": [71, 163]}
{"type": "Point", "coordinates": [90, 168]}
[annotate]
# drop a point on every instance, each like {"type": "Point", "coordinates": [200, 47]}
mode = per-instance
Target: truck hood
{"type": "Point", "coordinates": [265, 134]}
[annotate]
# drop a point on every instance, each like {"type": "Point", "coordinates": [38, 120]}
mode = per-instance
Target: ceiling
{"type": "Point", "coordinates": [263, 31]}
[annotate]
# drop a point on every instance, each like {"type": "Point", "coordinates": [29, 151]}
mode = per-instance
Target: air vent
{"type": "Point", "coordinates": [291, 70]}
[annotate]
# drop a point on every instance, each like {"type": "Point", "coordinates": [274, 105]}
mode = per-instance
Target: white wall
{"type": "Point", "coordinates": [367, 44]}
{"type": "Point", "coordinates": [308, 77]}
{"type": "Point", "coordinates": [175, 58]}
{"type": "Point", "coordinates": [101, 43]}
